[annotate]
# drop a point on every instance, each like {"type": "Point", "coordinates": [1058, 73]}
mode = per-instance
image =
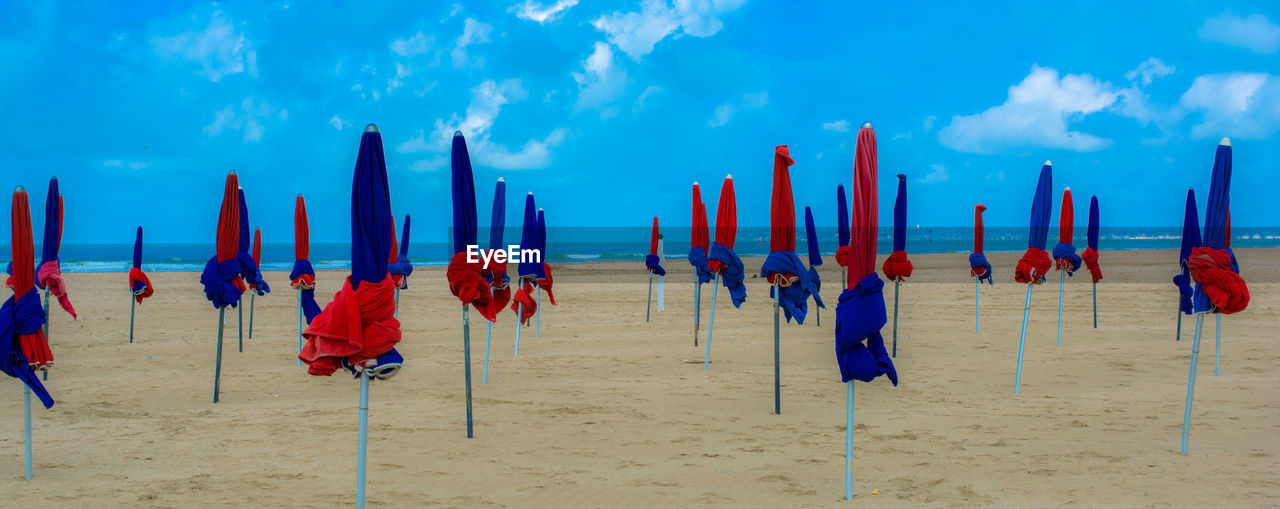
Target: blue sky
{"type": "Point", "coordinates": [608, 111]}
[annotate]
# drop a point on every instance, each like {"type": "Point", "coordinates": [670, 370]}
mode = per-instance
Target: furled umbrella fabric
{"type": "Point", "coordinates": [49, 274]}
{"type": "Point", "coordinates": [496, 273]}
{"type": "Point", "coordinates": [256, 251]}
{"type": "Point", "coordinates": [897, 267]}
{"type": "Point", "coordinates": [401, 268]}
{"type": "Point", "coordinates": [1064, 254]}
{"type": "Point", "coordinates": [1090, 255]}
{"type": "Point", "coordinates": [723, 260]}
{"type": "Point", "coordinates": [783, 268]}
{"type": "Point", "coordinates": [979, 267]}
{"type": "Point", "coordinates": [651, 261]}
{"type": "Point", "coordinates": [303, 276]}
{"type": "Point", "coordinates": [527, 270]}
{"type": "Point", "coordinates": [1190, 241]}
{"type": "Point", "coordinates": [842, 228]}
{"type": "Point", "coordinates": [248, 266]}
{"type": "Point", "coordinates": [23, 344]}
{"type": "Point", "coordinates": [815, 255]}
{"type": "Point", "coordinates": [545, 282]}
{"type": "Point", "coordinates": [1210, 264]}
{"type": "Point", "coordinates": [1035, 262]}
{"type": "Point", "coordinates": [221, 276]}
{"type": "Point", "coordinates": [466, 282]}
{"type": "Point", "coordinates": [359, 325]}
{"type": "Point", "coordinates": [139, 284]}
{"type": "Point", "coordinates": [699, 238]}
{"type": "Point", "coordinates": [860, 313]}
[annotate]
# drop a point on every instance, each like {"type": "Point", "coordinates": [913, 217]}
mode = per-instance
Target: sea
{"type": "Point", "coordinates": [581, 244]}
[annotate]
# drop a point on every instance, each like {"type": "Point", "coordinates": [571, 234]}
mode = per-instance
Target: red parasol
{"type": "Point", "coordinates": [977, 227]}
{"type": "Point", "coordinates": [727, 215]}
{"type": "Point", "coordinates": [229, 220]}
{"type": "Point", "coordinates": [257, 260]}
{"type": "Point", "coordinates": [653, 238]}
{"type": "Point", "coordinates": [301, 231]}
{"type": "Point", "coordinates": [699, 235]}
{"type": "Point", "coordinates": [865, 214]}
{"type": "Point", "coordinates": [1066, 218]}
{"type": "Point", "coordinates": [782, 207]}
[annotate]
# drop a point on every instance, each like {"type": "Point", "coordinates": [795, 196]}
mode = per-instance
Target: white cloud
{"type": "Point", "coordinates": [1238, 104]}
{"type": "Point", "coordinates": [1036, 113]}
{"type": "Point", "coordinates": [487, 100]}
{"type": "Point", "coordinates": [601, 80]}
{"type": "Point", "coordinates": [937, 173]}
{"type": "Point", "coordinates": [473, 32]}
{"type": "Point", "coordinates": [119, 163]}
{"type": "Point", "coordinates": [338, 123]}
{"type": "Point", "coordinates": [249, 118]}
{"type": "Point", "coordinates": [1149, 70]}
{"type": "Point", "coordinates": [1255, 33]}
{"type": "Point", "coordinates": [725, 111]}
{"type": "Point", "coordinates": [839, 126]}
{"type": "Point", "coordinates": [416, 44]}
{"type": "Point", "coordinates": [534, 11]}
{"type": "Point", "coordinates": [648, 92]}
{"type": "Point", "coordinates": [218, 48]}
{"type": "Point", "coordinates": [636, 33]}
{"type": "Point", "coordinates": [928, 122]}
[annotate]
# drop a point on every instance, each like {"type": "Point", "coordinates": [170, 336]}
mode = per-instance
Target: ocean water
{"type": "Point", "coordinates": [614, 244]}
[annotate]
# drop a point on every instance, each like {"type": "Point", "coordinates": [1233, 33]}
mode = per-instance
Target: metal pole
{"type": "Point", "coordinates": [977, 308]}
{"type": "Point", "coordinates": [649, 301]}
{"type": "Point", "coordinates": [1022, 340]}
{"type": "Point", "coordinates": [363, 447]}
{"type": "Point", "coordinates": [848, 444]}
{"type": "Point", "coordinates": [519, 317]}
{"type": "Point", "coordinates": [466, 364]}
{"type": "Point", "coordinates": [26, 400]}
{"type": "Point", "coordinates": [132, 302]}
{"type": "Point", "coordinates": [711, 324]}
{"type": "Point", "coordinates": [777, 369]}
{"type": "Point", "coordinates": [1217, 341]}
{"type": "Point", "coordinates": [488, 333]}
{"type": "Point", "coordinates": [252, 294]}
{"type": "Point", "coordinates": [896, 285]}
{"type": "Point", "coordinates": [697, 306]}
{"type": "Point", "coordinates": [240, 316]}
{"type": "Point", "coordinates": [1061, 283]}
{"type": "Point", "coordinates": [48, 317]}
{"type": "Point", "coordinates": [397, 312]}
{"type": "Point", "coordinates": [1178, 336]}
{"type": "Point", "coordinates": [1095, 305]}
{"type": "Point", "coordinates": [299, 326]}
{"type": "Point", "coordinates": [1191, 383]}
{"type": "Point", "coordinates": [217, 366]}
{"type": "Point", "coordinates": [537, 318]}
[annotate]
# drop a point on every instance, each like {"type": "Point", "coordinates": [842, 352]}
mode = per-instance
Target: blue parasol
{"type": "Point", "coordinates": [815, 257]}
{"type": "Point", "coordinates": [464, 234]}
{"type": "Point", "coordinates": [498, 279]}
{"type": "Point", "coordinates": [1190, 241]}
{"type": "Point", "coordinates": [897, 267]}
{"type": "Point", "coordinates": [1035, 262]}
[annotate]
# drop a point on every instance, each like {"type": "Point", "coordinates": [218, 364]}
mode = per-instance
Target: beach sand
{"type": "Point", "coordinates": [606, 410]}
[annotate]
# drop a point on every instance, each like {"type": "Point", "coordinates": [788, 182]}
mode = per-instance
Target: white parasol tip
{"type": "Point", "coordinates": [867, 125]}
{"type": "Point", "coordinates": [457, 134]}
{"type": "Point", "coordinates": [233, 172]}
{"type": "Point", "coordinates": [1226, 142]}
{"type": "Point", "coordinates": [530, 193]}
{"type": "Point", "coordinates": [1048, 162]}
{"type": "Point", "coordinates": [371, 128]}
{"type": "Point", "coordinates": [19, 189]}
{"type": "Point", "coordinates": [695, 182]}
{"type": "Point", "coordinates": [55, 177]}
{"type": "Point", "coordinates": [728, 177]}
{"type": "Point", "coordinates": [500, 179]}
{"type": "Point", "coordinates": [299, 195]}
{"type": "Point", "coordinates": [1067, 189]}
{"type": "Point", "coordinates": [539, 209]}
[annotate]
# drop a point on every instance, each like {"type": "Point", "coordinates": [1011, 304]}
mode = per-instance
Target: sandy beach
{"type": "Point", "coordinates": [605, 410]}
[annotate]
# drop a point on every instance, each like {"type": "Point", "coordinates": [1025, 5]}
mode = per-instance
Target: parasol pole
{"type": "Point", "coordinates": [26, 401]}
{"type": "Point", "coordinates": [537, 318]}
{"type": "Point", "coordinates": [299, 325]}
{"type": "Point", "coordinates": [1191, 382]}
{"type": "Point", "coordinates": [132, 302]}
{"type": "Point", "coordinates": [397, 312]}
{"type": "Point", "coordinates": [519, 317]}
{"type": "Point", "coordinates": [363, 444]}
{"type": "Point", "coordinates": [897, 283]}
{"type": "Point", "coordinates": [649, 301]}
{"type": "Point", "coordinates": [711, 324]}
{"type": "Point", "coordinates": [251, 296]}
{"type": "Point", "coordinates": [1061, 282]}
{"type": "Point", "coordinates": [848, 444]}
{"type": "Point", "coordinates": [697, 306]}
{"type": "Point", "coordinates": [47, 318]}
{"type": "Point", "coordinates": [217, 366]}
{"type": "Point", "coordinates": [240, 315]}
{"type": "Point", "coordinates": [977, 306]}
{"type": "Point", "coordinates": [1178, 336]}
{"type": "Point", "coordinates": [1095, 305]}
{"type": "Point", "coordinates": [488, 333]}
{"type": "Point", "coordinates": [1217, 341]}
{"type": "Point", "coordinates": [1022, 340]}
{"type": "Point", "coordinates": [466, 364]}
{"type": "Point", "coordinates": [777, 369]}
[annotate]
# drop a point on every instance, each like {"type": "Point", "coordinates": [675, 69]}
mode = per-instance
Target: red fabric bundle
{"type": "Point", "coordinates": [136, 275]}
{"type": "Point", "coordinates": [977, 271]}
{"type": "Point", "coordinates": [1032, 267]}
{"type": "Point", "coordinates": [842, 255]}
{"type": "Point", "coordinates": [50, 276]}
{"type": "Point", "coordinates": [358, 325]}
{"type": "Point", "coordinates": [1090, 258]}
{"type": "Point", "coordinates": [303, 282]}
{"type": "Point", "coordinates": [530, 307]}
{"type": "Point", "coordinates": [469, 286]}
{"type": "Point", "coordinates": [501, 296]}
{"type": "Point", "coordinates": [545, 284]}
{"type": "Point", "coordinates": [897, 267]}
{"type": "Point", "coordinates": [1226, 289]}
{"type": "Point", "coordinates": [781, 279]}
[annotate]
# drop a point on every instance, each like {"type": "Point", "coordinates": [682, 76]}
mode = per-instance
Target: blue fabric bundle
{"type": "Point", "coordinates": [859, 317]}
{"type": "Point", "coordinates": [698, 259]}
{"type": "Point", "coordinates": [1183, 281]}
{"type": "Point", "coordinates": [795, 298]}
{"type": "Point", "coordinates": [21, 316]}
{"type": "Point", "coordinates": [653, 263]}
{"type": "Point", "coordinates": [309, 306]}
{"type": "Point", "coordinates": [1065, 251]}
{"type": "Point", "coordinates": [403, 267]}
{"type": "Point", "coordinates": [731, 276]}
{"type": "Point", "coordinates": [979, 260]}
{"type": "Point", "coordinates": [219, 282]}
